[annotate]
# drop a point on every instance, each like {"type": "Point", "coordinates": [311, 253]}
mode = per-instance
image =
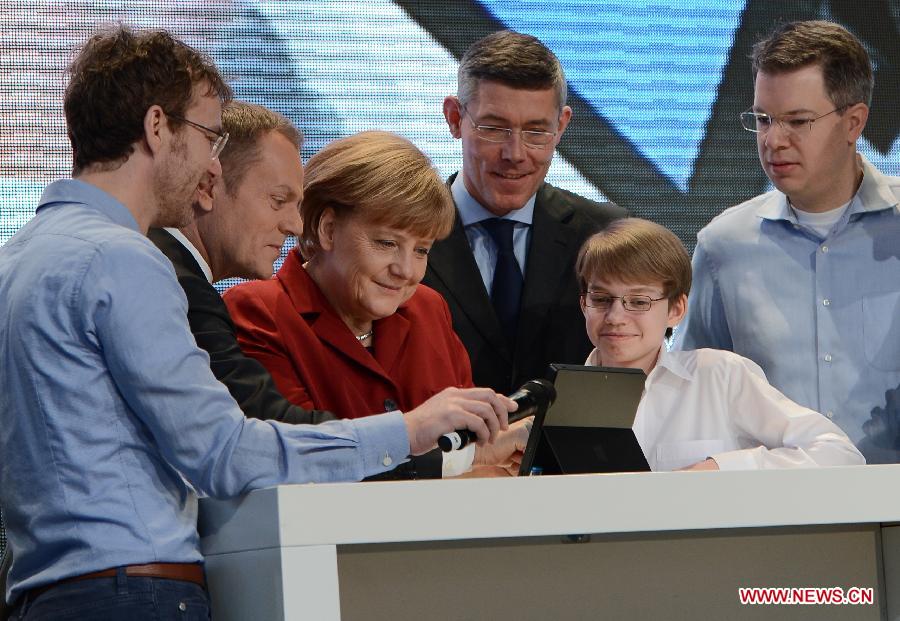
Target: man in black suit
{"type": "Point", "coordinates": [257, 206]}
{"type": "Point", "coordinates": [507, 269]}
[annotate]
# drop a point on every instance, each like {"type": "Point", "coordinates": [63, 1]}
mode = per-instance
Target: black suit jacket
{"type": "Point", "coordinates": [246, 379]}
{"type": "Point", "coordinates": [551, 326]}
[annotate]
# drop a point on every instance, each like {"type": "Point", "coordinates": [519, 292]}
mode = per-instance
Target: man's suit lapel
{"type": "Point", "coordinates": [175, 251]}
{"type": "Point", "coordinates": [453, 263]}
{"type": "Point", "coordinates": [545, 267]}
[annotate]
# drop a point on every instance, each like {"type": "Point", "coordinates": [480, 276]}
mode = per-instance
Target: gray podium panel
{"type": "Point", "coordinates": [662, 546]}
{"type": "Point", "coordinates": [650, 576]}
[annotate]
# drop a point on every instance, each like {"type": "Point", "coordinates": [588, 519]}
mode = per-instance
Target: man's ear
{"type": "Point", "coordinates": [207, 190]}
{"type": "Point", "coordinates": [155, 123]}
{"type": "Point", "coordinates": [565, 116]}
{"type": "Point", "coordinates": [453, 115]}
{"type": "Point", "coordinates": [856, 116]}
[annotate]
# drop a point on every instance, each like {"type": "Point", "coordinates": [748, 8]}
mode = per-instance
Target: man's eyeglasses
{"type": "Point", "coordinates": [532, 138]}
{"type": "Point", "coordinates": [217, 139]}
{"type": "Point", "coordinates": [760, 123]}
{"type": "Point", "coordinates": [633, 303]}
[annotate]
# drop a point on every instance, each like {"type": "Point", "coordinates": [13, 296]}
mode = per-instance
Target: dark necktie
{"type": "Point", "coordinates": [506, 290]}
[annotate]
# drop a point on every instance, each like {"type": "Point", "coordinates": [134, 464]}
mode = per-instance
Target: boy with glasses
{"type": "Point", "coordinates": [701, 410]}
{"type": "Point", "coordinates": [803, 280]}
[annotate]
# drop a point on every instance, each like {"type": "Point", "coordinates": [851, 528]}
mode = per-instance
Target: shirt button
{"type": "Point", "coordinates": [182, 606]}
{"type": "Point", "coordinates": [827, 357]}
{"type": "Point", "coordinates": [387, 461]}
{"type": "Point", "coordinates": [824, 248]}
{"type": "Point", "coordinates": [826, 302]}
{"type": "Point", "coordinates": [829, 414]}
{"type": "Point", "coordinates": [390, 405]}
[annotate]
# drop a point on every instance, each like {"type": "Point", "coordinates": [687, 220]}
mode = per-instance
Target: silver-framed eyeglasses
{"type": "Point", "coordinates": [531, 137]}
{"type": "Point", "coordinates": [217, 139]}
{"type": "Point", "coordinates": [793, 125]}
{"type": "Point", "coordinates": [630, 302]}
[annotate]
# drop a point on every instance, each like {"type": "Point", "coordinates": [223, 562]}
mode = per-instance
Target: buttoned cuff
{"type": "Point", "coordinates": [458, 462]}
{"type": "Point", "coordinates": [383, 442]}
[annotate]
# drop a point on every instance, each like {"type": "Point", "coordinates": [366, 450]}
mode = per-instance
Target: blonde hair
{"type": "Point", "coordinates": [246, 125]}
{"type": "Point", "coordinates": [379, 177]}
{"type": "Point", "coordinates": [635, 250]}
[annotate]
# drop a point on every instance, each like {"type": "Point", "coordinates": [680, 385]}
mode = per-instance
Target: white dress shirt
{"type": "Point", "coordinates": [204, 266]}
{"type": "Point", "coordinates": [712, 403]}
{"type": "Point", "coordinates": [484, 248]}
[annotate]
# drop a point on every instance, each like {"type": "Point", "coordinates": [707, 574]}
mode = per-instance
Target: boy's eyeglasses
{"type": "Point", "coordinates": [633, 303]}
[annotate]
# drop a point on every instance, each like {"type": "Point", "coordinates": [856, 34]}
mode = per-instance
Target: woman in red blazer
{"type": "Point", "coordinates": [351, 330]}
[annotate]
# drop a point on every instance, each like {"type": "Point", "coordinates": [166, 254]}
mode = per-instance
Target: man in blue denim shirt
{"type": "Point", "coordinates": [805, 280]}
{"type": "Point", "coordinates": [110, 412]}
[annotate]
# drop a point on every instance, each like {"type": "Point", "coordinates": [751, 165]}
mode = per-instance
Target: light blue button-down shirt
{"type": "Point", "coordinates": [471, 212]}
{"type": "Point", "coordinates": [821, 316]}
{"type": "Point", "coordinates": [106, 402]}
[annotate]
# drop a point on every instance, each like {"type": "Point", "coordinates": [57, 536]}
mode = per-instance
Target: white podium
{"type": "Point", "coordinates": [622, 546]}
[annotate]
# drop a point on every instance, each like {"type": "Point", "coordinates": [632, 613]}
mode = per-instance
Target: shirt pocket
{"type": "Point", "coordinates": [680, 454]}
{"type": "Point", "coordinates": [881, 330]}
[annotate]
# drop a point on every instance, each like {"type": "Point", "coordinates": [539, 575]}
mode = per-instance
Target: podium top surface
{"type": "Point", "coordinates": [398, 511]}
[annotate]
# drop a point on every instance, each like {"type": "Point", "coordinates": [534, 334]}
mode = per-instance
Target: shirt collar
{"type": "Point", "coordinates": [874, 194]}
{"type": "Point", "coordinates": [674, 364]}
{"type": "Point", "coordinates": [194, 252]}
{"type": "Point", "coordinates": [472, 212]}
{"type": "Point", "coordinates": [665, 362]}
{"type": "Point", "coordinates": [92, 197]}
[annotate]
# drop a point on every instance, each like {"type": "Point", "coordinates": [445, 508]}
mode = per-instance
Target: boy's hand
{"type": "Point", "coordinates": [707, 464]}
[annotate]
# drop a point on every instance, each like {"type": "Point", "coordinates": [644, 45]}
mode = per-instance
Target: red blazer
{"type": "Point", "coordinates": [290, 327]}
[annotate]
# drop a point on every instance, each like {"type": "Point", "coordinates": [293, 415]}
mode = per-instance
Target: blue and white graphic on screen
{"type": "Point", "coordinates": [651, 68]}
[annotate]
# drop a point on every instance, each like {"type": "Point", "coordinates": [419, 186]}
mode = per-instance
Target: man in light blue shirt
{"type": "Point", "coordinates": [111, 415]}
{"type": "Point", "coordinates": [805, 280]}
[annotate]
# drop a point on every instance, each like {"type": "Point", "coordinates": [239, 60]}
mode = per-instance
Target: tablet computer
{"type": "Point", "coordinates": [589, 426]}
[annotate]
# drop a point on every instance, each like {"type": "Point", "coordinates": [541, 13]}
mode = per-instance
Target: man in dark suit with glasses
{"type": "Point", "coordinates": [507, 268]}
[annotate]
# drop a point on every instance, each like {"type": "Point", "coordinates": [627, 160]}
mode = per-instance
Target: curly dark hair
{"type": "Point", "coordinates": [116, 76]}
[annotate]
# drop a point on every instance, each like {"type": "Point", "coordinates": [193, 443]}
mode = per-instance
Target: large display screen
{"type": "Point", "coordinates": [656, 86]}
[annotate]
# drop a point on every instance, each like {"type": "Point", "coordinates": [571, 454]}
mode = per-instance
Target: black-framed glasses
{"type": "Point", "coordinates": [631, 302]}
{"type": "Point", "coordinates": [760, 123]}
{"type": "Point", "coordinates": [218, 143]}
{"type": "Point", "coordinates": [531, 137]}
